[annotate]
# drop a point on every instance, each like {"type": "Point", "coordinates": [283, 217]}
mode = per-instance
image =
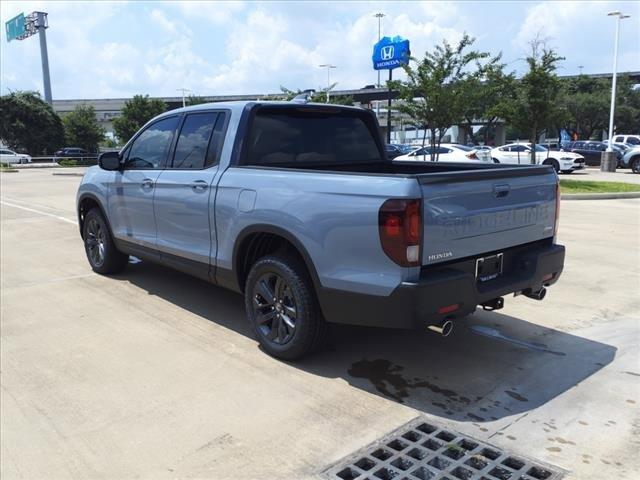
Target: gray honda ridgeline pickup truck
{"type": "Point", "coordinates": [297, 207]}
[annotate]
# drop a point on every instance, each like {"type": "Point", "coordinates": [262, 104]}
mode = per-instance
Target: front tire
{"type": "Point", "coordinates": [635, 165]}
{"type": "Point", "coordinates": [282, 308]}
{"type": "Point", "coordinates": [101, 251]}
{"type": "Point", "coordinates": [553, 162]}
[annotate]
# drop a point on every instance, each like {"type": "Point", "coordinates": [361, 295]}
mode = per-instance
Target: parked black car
{"type": "Point", "coordinates": [71, 152]}
{"type": "Point", "coordinates": [591, 150]}
{"type": "Point", "coordinates": [395, 150]}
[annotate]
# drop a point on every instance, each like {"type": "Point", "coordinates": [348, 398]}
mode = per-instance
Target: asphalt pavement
{"type": "Point", "coordinates": [153, 374]}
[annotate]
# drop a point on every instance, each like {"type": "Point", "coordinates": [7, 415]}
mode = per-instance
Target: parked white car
{"type": "Point", "coordinates": [630, 139]}
{"type": "Point", "coordinates": [449, 152]}
{"type": "Point", "coordinates": [9, 156]}
{"type": "Point", "coordinates": [520, 153]}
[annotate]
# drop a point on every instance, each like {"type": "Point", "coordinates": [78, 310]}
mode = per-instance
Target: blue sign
{"type": "Point", "coordinates": [15, 27]}
{"type": "Point", "coordinates": [390, 53]}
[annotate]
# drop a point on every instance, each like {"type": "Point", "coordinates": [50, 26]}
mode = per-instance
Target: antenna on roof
{"type": "Point", "coordinates": [303, 97]}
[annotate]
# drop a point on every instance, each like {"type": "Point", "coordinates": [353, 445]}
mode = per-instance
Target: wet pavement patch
{"type": "Point", "coordinates": [423, 450]}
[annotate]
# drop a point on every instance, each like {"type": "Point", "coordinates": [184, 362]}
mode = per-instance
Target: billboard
{"type": "Point", "coordinates": [390, 53]}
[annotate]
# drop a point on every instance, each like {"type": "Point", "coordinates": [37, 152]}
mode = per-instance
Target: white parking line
{"type": "Point", "coordinates": [57, 217]}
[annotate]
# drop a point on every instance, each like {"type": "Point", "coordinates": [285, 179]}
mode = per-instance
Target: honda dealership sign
{"type": "Point", "coordinates": [390, 53]}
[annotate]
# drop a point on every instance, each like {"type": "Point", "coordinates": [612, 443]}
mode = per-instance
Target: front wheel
{"type": "Point", "coordinates": [554, 163]}
{"type": "Point", "coordinates": [635, 165]}
{"type": "Point", "coordinates": [281, 307]}
{"type": "Point", "coordinates": [101, 251]}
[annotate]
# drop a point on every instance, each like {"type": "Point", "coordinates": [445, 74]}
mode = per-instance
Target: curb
{"type": "Point", "coordinates": [68, 174]}
{"type": "Point", "coordinates": [600, 196]}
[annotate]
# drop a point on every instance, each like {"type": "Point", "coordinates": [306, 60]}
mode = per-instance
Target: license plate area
{"type": "Point", "coordinates": [488, 268]}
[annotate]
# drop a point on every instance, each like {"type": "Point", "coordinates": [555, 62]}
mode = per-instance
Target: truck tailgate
{"type": "Point", "coordinates": [476, 212]}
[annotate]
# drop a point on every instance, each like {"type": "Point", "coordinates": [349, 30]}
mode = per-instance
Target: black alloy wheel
{"type": "Point", "coordinates": [274, 308]}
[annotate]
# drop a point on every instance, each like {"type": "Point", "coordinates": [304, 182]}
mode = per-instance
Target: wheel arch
{"type": "Point", "coordinates": [256, 241]}
{"type": "Point", "coordinates": [86, 202]}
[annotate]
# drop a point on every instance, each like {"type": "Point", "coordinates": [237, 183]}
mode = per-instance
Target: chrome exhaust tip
{"type": "Point", "coordinates": [444, 329]}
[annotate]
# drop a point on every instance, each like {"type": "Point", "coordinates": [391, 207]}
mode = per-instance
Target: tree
{"type": "Point", "coordinates": [586, 101]}
{"type": "Point", "coordinates": [30, 124]}
{"type": "Point", "coordinates": [81, 128]}
{"type": "Point", "coordinates": [436, 92]}
{"type": "Point", "coordinates": [627, 115]}
{"type": "Point", "coordinates": [488, 98]}
{"type": "Point", "coordinates": [535, 107]}
{"type": "Point", "coordinates": [136, 112]}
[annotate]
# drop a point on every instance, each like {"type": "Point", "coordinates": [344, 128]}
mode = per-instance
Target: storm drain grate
{"type": "Point", "coordinates": [421, 450]}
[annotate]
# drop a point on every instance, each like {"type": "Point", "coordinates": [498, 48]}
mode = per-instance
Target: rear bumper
{"type": "Point", "coordinates": [415, 305]}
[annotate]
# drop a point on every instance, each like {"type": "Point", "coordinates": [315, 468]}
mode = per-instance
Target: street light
{"type": "Point", "coordinates": [183, 90]}
{"type": "Point", "coordinates": [379, 16]}
{"type": "Point", "coordinates": [620, 16]}
{"type": "Point", "coordinates": [328, 66]}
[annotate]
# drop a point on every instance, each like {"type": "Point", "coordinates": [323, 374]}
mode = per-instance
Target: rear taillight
{"type": "Point", "coordinates": [400, 226]}
{"type": "Point", "coordinates": [557, 224]}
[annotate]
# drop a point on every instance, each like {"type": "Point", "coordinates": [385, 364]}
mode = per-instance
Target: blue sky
{"type": "Point", "coordinates": [117, 49]}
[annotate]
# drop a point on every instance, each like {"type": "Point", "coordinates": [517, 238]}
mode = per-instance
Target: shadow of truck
{"type": "Point", "coordinates": [491, 366]}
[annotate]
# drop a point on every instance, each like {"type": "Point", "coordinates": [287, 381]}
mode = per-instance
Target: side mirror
{"type": "Point", "coordinates": [109, 161]}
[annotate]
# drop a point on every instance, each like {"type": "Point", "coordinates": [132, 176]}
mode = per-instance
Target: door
{"type": "Point", "coordinates": [185, 194]}
{"type": "Point", "coordinates": [132, 189]}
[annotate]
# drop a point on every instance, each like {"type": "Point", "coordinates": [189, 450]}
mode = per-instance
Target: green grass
{"type": "Point", "coordinates": [589, 186]}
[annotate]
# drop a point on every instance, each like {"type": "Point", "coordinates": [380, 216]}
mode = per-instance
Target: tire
{"type": "Point", "coordinates": [101, 251]}
{"type": "Point", "coordinates": [282, 308]}
{"type": "Point", "coordinates": [634, 164]}
{"type": "Point", "coordinates": [553, 162]}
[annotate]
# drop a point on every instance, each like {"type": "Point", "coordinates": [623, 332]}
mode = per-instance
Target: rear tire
{"type": "Point", "coordinates": [282, 308]}
{"type": "Point", "coordinates": [634, 164]}
{"type": "Point", "coordinates": [101, 251]}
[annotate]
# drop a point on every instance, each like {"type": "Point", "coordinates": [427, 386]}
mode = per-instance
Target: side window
{"type": "Point", "coordinates": [504, 149]}
{"type": "Point", "coordinates": [518, 148]}
{"type": "Point", "coordinates": [149, 150]}
{"type": "Point", "coordinates": [444, 150]}
{"type": "Point", "coordinates": [633, 141]}
{"type": "Point", "coordinates": [619, 139]}
{"type": "Point", "coordinates": [191, 149]}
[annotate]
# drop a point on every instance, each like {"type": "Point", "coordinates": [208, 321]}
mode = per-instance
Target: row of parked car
{"type": "Point", "coordinates": [10, 157]}
{"type": "Point", "coordinates": [565, 159]}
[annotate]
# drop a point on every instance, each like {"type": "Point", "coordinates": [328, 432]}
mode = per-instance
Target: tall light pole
{"type": "Point", "coordinates": [620, 16]}
{"type": "Point", "coordinates": [328, 66]}
{"type": "Point", "coordinates": [183, 90]}
{"type": "Point", "coordinates": [379, 16]}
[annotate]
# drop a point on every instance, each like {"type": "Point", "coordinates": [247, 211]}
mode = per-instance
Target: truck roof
{"type": "Point", "coordinates": [241, 104]}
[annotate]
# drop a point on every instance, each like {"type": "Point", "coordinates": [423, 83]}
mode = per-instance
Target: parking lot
{"type": "Point", "coordinates": [154, 374]}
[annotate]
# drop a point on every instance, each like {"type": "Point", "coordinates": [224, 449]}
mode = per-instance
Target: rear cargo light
{"type": "Point", "coordinates": [400, 227]}
{"type": "Point", "coordinates": [557, 224]}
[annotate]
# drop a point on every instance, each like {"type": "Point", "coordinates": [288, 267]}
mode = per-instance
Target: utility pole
{"type": "Point", "coordinates": [328, 66]}
{"type": "Point", "coordinates": [183, 90]}
{"type": "Point", "coordinates": [379, 16]}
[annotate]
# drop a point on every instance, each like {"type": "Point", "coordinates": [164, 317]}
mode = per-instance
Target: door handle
{"type": "Point", "coordinates": [501, 190]}
{"type": "Point", "coordinates": [199, 185]}
{"type": "Point", "coordinates": [147, 183]}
